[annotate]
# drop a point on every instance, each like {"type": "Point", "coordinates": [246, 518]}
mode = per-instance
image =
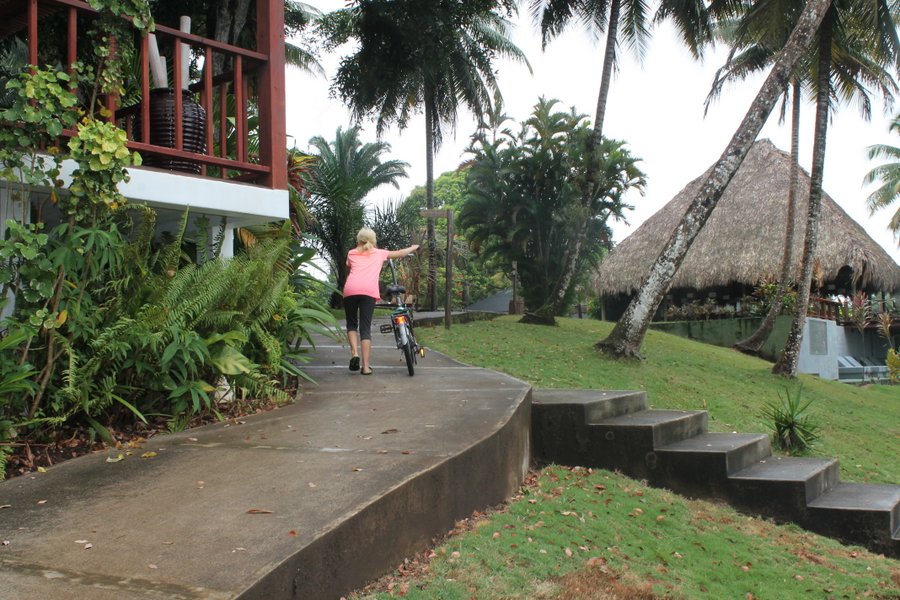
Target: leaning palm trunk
{"type": "Point", "coordinates": [790, 356]}
{"type": "Point", "coordinates": [752, 344]}
{"type": "Point", "coordinates": [557, 297]}
{"type": "Point", "coordinates": [627, 336]}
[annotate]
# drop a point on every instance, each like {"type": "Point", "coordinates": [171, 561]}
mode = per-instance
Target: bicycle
{"type": "Point", "coordinates": [401, 324]}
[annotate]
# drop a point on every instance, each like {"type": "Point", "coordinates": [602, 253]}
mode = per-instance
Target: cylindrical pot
{"type": "Point", "coordinates": [162, 129]}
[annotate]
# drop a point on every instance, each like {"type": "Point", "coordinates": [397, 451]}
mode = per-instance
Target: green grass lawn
{"type": "Point", "coordinates": [859, 425]}
{"type": "Point", "coordinates": [582, 534]}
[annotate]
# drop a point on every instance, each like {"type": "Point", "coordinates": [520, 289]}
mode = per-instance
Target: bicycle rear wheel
{"type": "Point", "coordinates": [409, 353]}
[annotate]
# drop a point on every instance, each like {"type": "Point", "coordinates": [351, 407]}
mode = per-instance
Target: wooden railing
{"type": "Point", "coordinates": [826, 309]}
{"type": "Point", "coordinates": [249, 80]}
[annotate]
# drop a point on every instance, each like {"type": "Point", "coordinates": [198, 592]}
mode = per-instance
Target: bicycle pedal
{"type": "Point", "coordinates": [387, 328]}
{"type": "Point", "coordinates": [421, 352]}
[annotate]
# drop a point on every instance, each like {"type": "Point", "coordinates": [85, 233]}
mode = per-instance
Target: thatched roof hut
{"type": "Point", "coordinates": [743, 241]}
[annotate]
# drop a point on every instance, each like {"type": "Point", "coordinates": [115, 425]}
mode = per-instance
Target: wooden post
{"type": "Point", "coordinates": [448, 276]}
{"type": "Point", "coordinates": [32, 16]}
{"type": "Point", "coordinates": [272, 104]}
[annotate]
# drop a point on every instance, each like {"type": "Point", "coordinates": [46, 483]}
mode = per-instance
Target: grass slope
{"type": "Point", "coordinates": [859, 425]}
{"type": "Point", "coordinates": [578, 534]}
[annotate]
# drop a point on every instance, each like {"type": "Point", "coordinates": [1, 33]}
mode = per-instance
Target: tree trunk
{"type": "Point", "coordinates": [221, 32]}
{"type": "Point", "coordinates": [790, 356]}
{"type": "Point", "coordinates": [754, 343]}
{"type": "Point", "coordinates": [429, 200]}
{"type": "Point", "coordinates": [555, 304]}
{"type": "Point", "coordinates": [627, 336]}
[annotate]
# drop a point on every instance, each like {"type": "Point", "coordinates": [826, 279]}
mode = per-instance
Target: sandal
{"type": "Point", "coordinates": [354, 363]}
{"type": "Point", "coordinates": [369, 372]}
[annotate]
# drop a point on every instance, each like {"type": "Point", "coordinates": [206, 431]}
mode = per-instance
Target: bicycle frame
{"type": "Point", "coordinates": [402, 323]}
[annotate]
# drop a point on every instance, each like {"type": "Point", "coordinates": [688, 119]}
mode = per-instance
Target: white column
{"type": "Point", "coordinates": [227, 249]}
{"type": "Point", "coordinates": [17, 210]}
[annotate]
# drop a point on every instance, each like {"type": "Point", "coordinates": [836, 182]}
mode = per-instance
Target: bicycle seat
{"type": "Point", "coordinates": [396, 290]}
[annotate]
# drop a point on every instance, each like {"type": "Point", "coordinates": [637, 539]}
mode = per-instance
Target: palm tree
{"type": "Point", "coordinates": [872, 25]}
{"type": "Point", "coordinates": [346, 170]}
{"type": "Point", "coordinates": [759, 35]}
{"type": "Point", "coordinates": [414, 55]}
{"type": "Point", "coordinates": [691, 18]}
{"type": "Point", "coordinates": [888, 175]}
{"type": "Point", "coordinates": [627, 336]}
{"type": "Point", "coordinates": [758, 32]}
{"type": "Point", "coordinates": [553, 16]}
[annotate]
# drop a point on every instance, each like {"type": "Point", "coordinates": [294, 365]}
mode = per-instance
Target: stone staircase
{"type": "Point", "coordinates": [673, 449]}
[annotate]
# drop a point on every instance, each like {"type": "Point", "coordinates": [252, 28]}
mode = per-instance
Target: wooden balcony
{"type": "Point", "coordinates": [242, 135]}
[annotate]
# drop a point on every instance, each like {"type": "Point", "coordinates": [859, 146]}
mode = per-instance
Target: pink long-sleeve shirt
{"type": "Point", "coordinates": [365, 267]}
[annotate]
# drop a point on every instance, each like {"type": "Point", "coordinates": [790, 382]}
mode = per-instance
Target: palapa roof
{"type": "Point", "coordinates": [743, 240]}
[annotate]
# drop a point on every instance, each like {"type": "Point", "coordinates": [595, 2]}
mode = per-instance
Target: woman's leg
{"type": "Point", "coordinates": [366, 310]}
{"type": "Point", "coordinates": [351, 309]}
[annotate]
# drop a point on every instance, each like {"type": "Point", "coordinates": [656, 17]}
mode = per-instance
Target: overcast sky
{"type": "Point", "coordinates": [656, 106]}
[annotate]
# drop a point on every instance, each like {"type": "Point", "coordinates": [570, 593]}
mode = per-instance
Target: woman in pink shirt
{"type": "Point", "coordinates": [361, 292]}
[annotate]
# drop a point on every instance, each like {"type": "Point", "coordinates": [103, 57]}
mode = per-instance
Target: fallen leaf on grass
{"type": "Point", "coordinates": [259, 511]}
{"type": "Point", "coordinates": [41, 470]}
{"type": "Point", "coordinates": [568, 552]}
{"type": "Point", "coordinates": [111, 459]}
{"type": "Point", "coordinates": [148, 455]}
{"type": "Point", "coordinates": [636, 513]}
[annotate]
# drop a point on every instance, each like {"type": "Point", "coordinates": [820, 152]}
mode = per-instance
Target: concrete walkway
{"type": "Point", "coordinates": [308, 501]}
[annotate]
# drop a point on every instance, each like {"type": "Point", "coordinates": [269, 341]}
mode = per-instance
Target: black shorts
{"type": "Point", "coordinates": [359, 310]}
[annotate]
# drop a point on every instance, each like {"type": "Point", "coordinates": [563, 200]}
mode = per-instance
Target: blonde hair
{"type": "Point", "coordinates": [365, 239]}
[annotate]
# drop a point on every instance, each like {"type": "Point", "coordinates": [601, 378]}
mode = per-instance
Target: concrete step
{"type": "Point", "coordinates": [783, 486]}
{"type": "Point", "coordinates": [651, 429]}
{"type": "Point", "coordinates": [700, 465]}
{"type": "Point", "coordinates": [593, 404]}
{"type": "Point", "coordinates": [859, 513]}
{"type": "Point", "coordinates": [672, 449]}
{"type": "Point", "coordinates": [560, 420]}
{"type": "Point", "coordinates": [627, 442]}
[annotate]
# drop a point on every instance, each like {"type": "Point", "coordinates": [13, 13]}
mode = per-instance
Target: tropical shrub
{"type": "Point", "coordinates": [794, 430]}
{"type": "Point", "coordinates": [893, 365]}
{"type": "Point", "coordinates": [525, 201]}
{"type": "Point", "coordinates": [109, 325]}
